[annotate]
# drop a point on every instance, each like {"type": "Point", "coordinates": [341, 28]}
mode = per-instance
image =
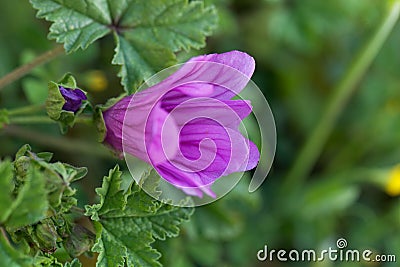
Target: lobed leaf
{"type": "Point", "coordinates": [10, 257]}
{"type": "Point", "coordinates": [31, 203]}
{"type": "Point", "coordinates": [77, 23]}
{"type": "Point", "coordinates": [147, 33]}
{"type": "Point", "coordinates": [128, 221]}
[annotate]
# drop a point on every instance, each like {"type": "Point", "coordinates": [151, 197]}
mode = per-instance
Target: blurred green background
{"type": "Point", "coordinates": [302, 50]}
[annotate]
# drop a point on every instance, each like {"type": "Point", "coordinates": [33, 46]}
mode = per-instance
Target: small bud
{"type": "Point", "coordinates": [73, 98]}
{"type": "Point", "coordinates": [46, 236]}
{"type": "Point", "coordinates": [65, 102]}
{"type": "Point", "coordinates": [79, 240]}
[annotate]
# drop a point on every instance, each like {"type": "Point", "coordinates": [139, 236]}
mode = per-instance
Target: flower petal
{"type": "Point", "coordinates": [235, 59]}
{"type": "Point", "coordinates": [185, 92]}
{"type": "Point", "coordinates": [160, 133]}
{"type": "Point", "coordinates": [228, 113]}
{"type": "Point", "coordinates": [190, 183]}
{"type": "Point", "coordinates": [254, 157]}
{"type": "Point", "coordinates": [114, 119]}
{"type": "Point", "coordinates": [73, 98]}
{"type": "Point", "coordinates": [220, 76]}
{"type": "Point", "coordinates": [186, 126]}
{"type": "Point", "coordinates": [229, 152]}
{"type": "Point", "coordinates": [226, 151]}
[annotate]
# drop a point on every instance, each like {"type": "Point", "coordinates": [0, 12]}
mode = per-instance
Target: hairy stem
{"type": "Point", "coordinates": [341, 95]}
{"type": "Point", "coordinates": [30, 120]}
{"type": "Point", "coordinates": [4, 233]}
{"type": "Point", "coordinates": [84, 119]}
{"type": "Point", "coordinates": [65, 144]}
{"type": "Point", "coordinates": [23, 70]}
{"type": "Point", "coordinates": [45, 120]}
{"type": "Point", "coordinates": [25, 110]}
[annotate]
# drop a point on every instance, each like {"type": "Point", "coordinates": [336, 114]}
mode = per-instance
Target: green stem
{"type": "Point", "coordinates": [31, 120]}
{"type": "Point", "coordinates": [25, 110]}
{"type": "Point", "coordinates": [65, 144]}
{"type": "Point", "coordinates": [341, 95]}
{"type": "Point", "coordinates": [45, 120]}
{"type": "Point", "coordinates": [4, 233]}
{"type": "Point", "coordinates": [21, 71]}
{"type": "Point", "coordinates": [84, 120]}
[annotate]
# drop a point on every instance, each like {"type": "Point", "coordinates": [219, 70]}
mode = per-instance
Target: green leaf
{"type": "Point", "coordinates": [111, 197]}
{"type": "Point", "coordinates": [146, 33]}
{"type": "Point", "coordinates": [6, 187]}
{"type": "Point", "coordinates": [35, 90]}
{"type": "Point", "coordinates": [77, 23]}
{"type": "Point", "coordinates": [3, 118]}
{"type": "Point", "coordinates": [79, 241]}
{"type": "Point", "coordinates": [139, 60]}
{"type": "Point", "coordinates": [34, 199]}
{"type": "Point", "coordinates": [68, 172]}
{"type": "Point", "coordinates": [45, 236]}
{"type": "Point", "coordinates": [46, 156]}
{"type": "Point", "coordinates": [55, 101]}
{"type": "Point", "coordinates": [23, 151]}
{"type": "Point", "coordinates": [58, 177]}
{"type": "Point", "coordinates": [327, 197]}
{"type": "Point", "coordinates": [46, 260]}
{"type": "Point", "coordinates": [68, 81]}
{"type": "Point", "coordinates": [31, 203]}
{"type": "Point", "coordinates": [10, 257]}
{"type": "Point", "coordinates": [74, 263]}
{"type": "Point", "coordinates": [128, 221]}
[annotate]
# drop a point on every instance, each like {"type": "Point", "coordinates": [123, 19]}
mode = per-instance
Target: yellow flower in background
{"type": "Point", "coordinates": [96, 80]}
{"type": "Point", "coordinates": [393, 184]}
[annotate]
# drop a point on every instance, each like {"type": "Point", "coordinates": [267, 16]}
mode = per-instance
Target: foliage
{"type": "Point", "coordinates": [146, 33]}
{"type": "Point", "coordinates": [36, 200]}
{"type": "Point", "coordinates": [124, 215]}
{"type": "Point", "coordinates": [36, 207]}
{"type": "Point", "coordinates": [302, 50]}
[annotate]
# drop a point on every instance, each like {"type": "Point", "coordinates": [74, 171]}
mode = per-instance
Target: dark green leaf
{"type": "Point", "coordinates": [45, 235]}
{"type": "Point", "coordinates": [10, 257]}
{"type": "Point", "coordinates": [74, 263]}
{"type": "Point", "coordinates": [35, 90]}
{"type": "Point", "coordinates": [329, 196]}
{"type": "Point", "coordinates": [77, 23]}
{"type": "Point", "coordinates": [68, 81]}
{"type": "Point", "coordinates": [6, 187]}
{"type": "Point", "coordinates": [111, 197]}
{"type": "Point", "coordinates": [31, 203]}
{"type": "Point", "coordinates": [147, 33]}
{"type": "Point", "coordinates": [128, 221]}
{"type": "Point", "coordinates": [46, 260]}
{"type": "Point", "coordinates": [79, 241]}
{"type": "Point", "coordinates": [46, 156]}
{"type": "Point", "coordinates": [55, 101]}
{"type": "Point", "coordinates": [3, 118]}
{"type": "Point", "coordinates": [139, 60]}
{"type": "Point", "coordinates": [22, 151]}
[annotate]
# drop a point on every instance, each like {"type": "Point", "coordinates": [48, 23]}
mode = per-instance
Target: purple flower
{"type": "Point", "coordinates": [186, 126]}
{"type": "Point", "coordinates": [73, 98]}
